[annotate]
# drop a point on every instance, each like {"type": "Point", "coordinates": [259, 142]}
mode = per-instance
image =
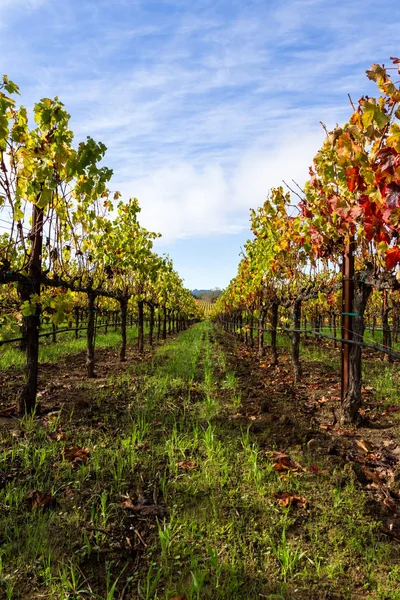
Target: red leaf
{"type": "Point", "coordinates": [392, 257]}
{"type": "Point", "coordinates": [393, 197]}
{"type": "Point", "coordinates": [354, 179]}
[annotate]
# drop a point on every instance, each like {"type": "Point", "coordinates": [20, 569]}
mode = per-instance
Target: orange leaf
{"type": "Point", "coordinates": [286, 499]}
{"type": "Point", "coordinates": [392, 257]}
{"type": "Point", "coordinates": [283, 462]}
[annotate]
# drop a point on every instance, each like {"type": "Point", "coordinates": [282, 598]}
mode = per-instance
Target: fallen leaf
{"type": "Point", "coordinates": [365, 446]}
{"type": "Point", "coordinates": [187, 465]}
{"type": "Point", "coordinates": [286, 499]}
{"type": "Point", "coordinates": [76, 454]}
{"type": "Point", "coordinates": [283, 462]}
{"type": "Point", "coordinates": [37, 499]}
{"type": "Point", "coordinates": [372, 476]}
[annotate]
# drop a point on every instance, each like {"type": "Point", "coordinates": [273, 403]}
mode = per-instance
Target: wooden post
{"type": "Point", "coordinates": [347, 312]}
{"type": "Point", "coordinates": [27, 400]}
{"type": "Point", "coordinates": [90, 335]}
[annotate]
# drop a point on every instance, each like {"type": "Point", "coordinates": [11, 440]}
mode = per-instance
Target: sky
{"type": "Point", "coordinates": [204, 105]}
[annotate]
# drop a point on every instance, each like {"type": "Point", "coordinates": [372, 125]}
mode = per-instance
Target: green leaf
{"type": "Point", "coordinates": [368, 113]}
{"type": "Point", "coordinates": [380, 118]}
{"type": "Point", "coordinates": [44, 199]}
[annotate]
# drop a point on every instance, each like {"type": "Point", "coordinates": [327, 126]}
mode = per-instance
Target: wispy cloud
{"type": "Point", "coordinates": [203, 105]}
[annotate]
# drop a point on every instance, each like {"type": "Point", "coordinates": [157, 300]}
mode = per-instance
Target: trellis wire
{"type": "Point", "coordinates": [50, 333]}
{"type": "Point", "coordinates": [374, 347]}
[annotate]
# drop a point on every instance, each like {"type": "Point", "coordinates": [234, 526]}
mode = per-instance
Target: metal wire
{"type": "Point", "coordinates": [375, 347]}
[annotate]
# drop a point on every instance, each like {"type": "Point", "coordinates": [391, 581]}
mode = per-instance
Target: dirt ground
{"type": "Point", "coordinates": [284, 414]}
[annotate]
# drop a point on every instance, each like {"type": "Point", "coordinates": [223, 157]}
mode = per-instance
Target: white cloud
{"type": "Point", "coordinates": [183, 201]}
{"type": "Point", "coordinates": [203, 108]}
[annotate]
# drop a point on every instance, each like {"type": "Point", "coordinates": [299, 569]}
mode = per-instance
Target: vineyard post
{"type": "Point", "coordinates": [123, 303]}
{"type": "Point", "coordinates": [347, 310]}
{"type": "Point", "coordinates": [251, 332]}
{"type": "Point", "coordinates": [22, 343]}
{"type": "Point", "coordinates": [274, 325]}
{"type": "Point", "coordinates": [296, 319]}
{"type": "Point", "coordinates": [90, 333]}
{"type": "Point", "coordinates": [76, 322]}
{"type": "Point", "coordinates": [164, 328]}
{"type": "Point", "coordinates": [169, 322]}
{"type": "Point", "coordinates": [140, 326]}
{"type": "Point", "coordinates": [27, 399]}
{"type": "Point", "coordinates": [261, 336]}
{"type": "Point", "coordinates": [151, 324]}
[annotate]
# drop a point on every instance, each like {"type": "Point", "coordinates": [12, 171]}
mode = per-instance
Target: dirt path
{"type": "Point", "coordinates": [286, 416]}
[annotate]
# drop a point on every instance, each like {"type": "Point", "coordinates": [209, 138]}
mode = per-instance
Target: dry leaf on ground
{"type": "Point", "coordinates": [287, 499]}
{"type": "Point", "coordinates": [187, 465]}
{"type": "Point", "coordinates": [38, 499]}
{"type": "Point", "coordinates": [364, 445]}
{"type": "Point", "coordinates": [283, 462]}
{"type": "Point", "coordinates": [76, 454]}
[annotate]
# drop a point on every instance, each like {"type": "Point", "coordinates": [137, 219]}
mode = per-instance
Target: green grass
{"type": "Point", "coordinates": [223, 536]}
{"type": "Point", "coordinates": [49, 352]}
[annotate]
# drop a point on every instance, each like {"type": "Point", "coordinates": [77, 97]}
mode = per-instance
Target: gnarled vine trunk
{"type": "Point", "coordinates": [260, 349]}
{"type": "Point", "coordinates": [352, 401]}
{"type": "Point", "coordinates": [296, 317]}
{"type": "Point", "coordinates": [151, 325]}
{"type": "Point", "coordinates": [274, 325]}
{"type": "Point", "coordinates": [140, 327]}
{"type": "Point", "coordinates": [164, 328]}
{"type": "Point", "coordinates": [27, 399]}
{"type": "Point", "coordinates": [123, 303]}
{"type": "Point", "coordinates": [90, 336]}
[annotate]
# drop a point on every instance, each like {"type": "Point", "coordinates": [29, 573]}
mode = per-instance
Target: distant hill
{"type": "Point", "coordinates": [207, 295]}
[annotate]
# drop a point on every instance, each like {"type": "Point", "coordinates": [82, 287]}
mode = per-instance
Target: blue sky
{"type": "Point", "coordinates": [203, 105]}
